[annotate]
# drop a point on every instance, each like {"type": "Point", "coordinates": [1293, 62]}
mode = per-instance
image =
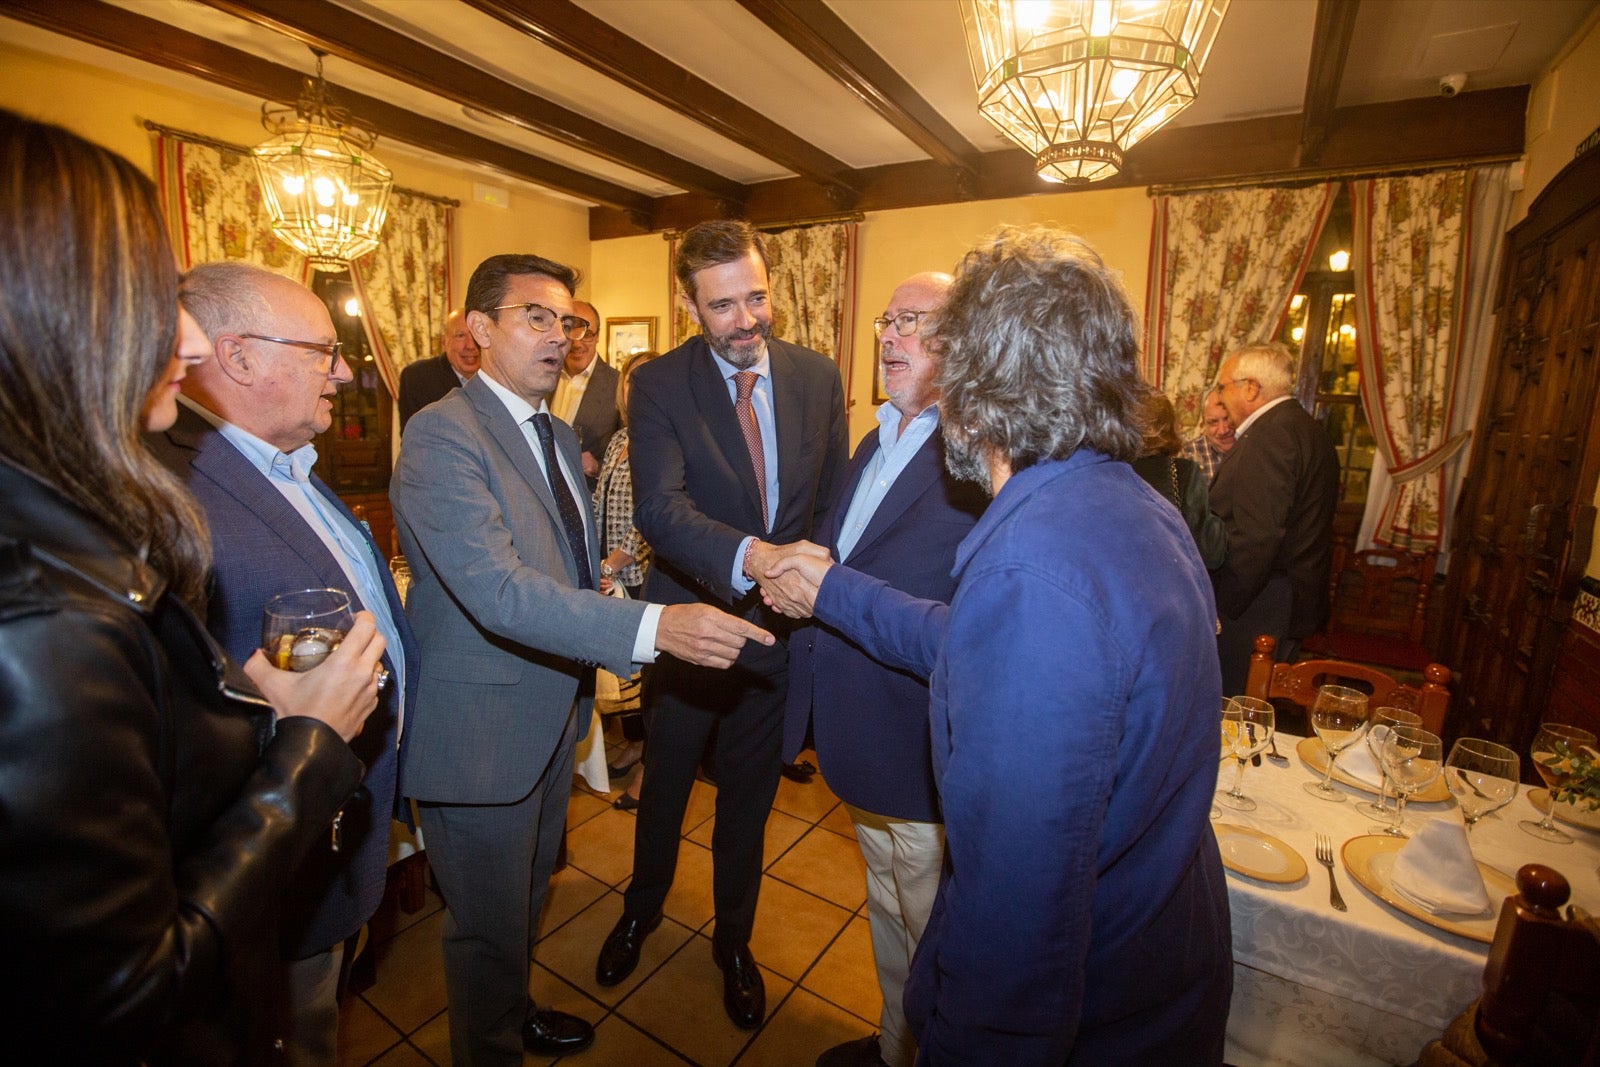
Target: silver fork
{"type": "Point", "coordinates": [1325, 857]}
{"type": "Point", "coordinates": [1272, 751]}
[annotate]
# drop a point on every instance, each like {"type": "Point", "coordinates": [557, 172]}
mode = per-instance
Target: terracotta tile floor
{"type": "Point", "coordinates": [811, 940]}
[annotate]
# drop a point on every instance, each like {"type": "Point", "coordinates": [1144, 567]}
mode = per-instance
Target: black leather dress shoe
{"type": "Point", "coordinates": [555, 1033]}
{"type": "Point", "coordinates": [619, 955]}
{"type": "Point", "coordinates": [744, 994]}
{"type": "Point", "coordinates": [799, 771]}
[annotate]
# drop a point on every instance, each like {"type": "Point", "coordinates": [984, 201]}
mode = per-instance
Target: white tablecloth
{"type": "Point", "coordinates": [1371, 985]}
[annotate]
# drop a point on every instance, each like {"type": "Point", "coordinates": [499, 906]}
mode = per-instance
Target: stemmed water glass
{"type": "Point", "coordinates": [1247, 724]}
{"type": "Point", "coordinates": [1553, 748]}
{"type": "Point", "coordinates": [1413, 758]}
{"type": "Point", "coordinates": [1482, 776]}
{"type": "Point", "coordinates": [1337, 715]}
{"type": "Point", "coordinates": [1383, 719]}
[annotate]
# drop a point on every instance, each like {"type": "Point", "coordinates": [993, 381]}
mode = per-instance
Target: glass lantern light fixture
{"type": "Point", "coordinates": [327, 195]}
{"type": "Point", "coordinates": [1079, 82]}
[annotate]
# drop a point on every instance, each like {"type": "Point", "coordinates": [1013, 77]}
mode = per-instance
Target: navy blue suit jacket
{"type": "Point", "coordinates": [869, 721]}
{"type": "Point", "coordinates": [262, 548]}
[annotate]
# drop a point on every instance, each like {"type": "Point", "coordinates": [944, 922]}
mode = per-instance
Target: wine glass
{"type": "Point", "coordinates": [1413, 758]}
{"type": "Point", "coordinates": [1382, 720]}
{"type": "Point", "coordinates": [299, 629]}
{"type": "Point", "coordinates": [1482, 776]}
{"type": "Point", "coordinates": [1552, 750]}
{"type": "Point", "coordinates": [400, 570]}
{"type": "Point", "coordinates": [1337, 715]}
{"type": "Point", "coordinates": [1247, 723]}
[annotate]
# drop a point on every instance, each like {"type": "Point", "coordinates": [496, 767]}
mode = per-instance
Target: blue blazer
{"type": "Point", "coordinates": [870, 722]}
{"type": "Point", "coordinates": [262, 548]}
{"type": "Point", "coordinates": [1083, 917]}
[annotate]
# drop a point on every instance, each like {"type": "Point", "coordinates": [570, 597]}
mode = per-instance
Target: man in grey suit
{"type": "Point", "coordinates": [586, 395]}
{"type": "Point", "coordinates": [489, 505]}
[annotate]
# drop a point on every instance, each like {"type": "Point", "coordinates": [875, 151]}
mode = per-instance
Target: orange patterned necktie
{"type": "Point", "coordinates": [745, 383]}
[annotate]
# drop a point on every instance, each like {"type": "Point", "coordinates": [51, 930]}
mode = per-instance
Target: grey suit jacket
{"type": "Point", "coordinates": [508, 640]}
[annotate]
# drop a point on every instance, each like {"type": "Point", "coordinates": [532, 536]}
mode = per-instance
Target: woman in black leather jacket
{"type": "Point", "coordinates": [151, 809]}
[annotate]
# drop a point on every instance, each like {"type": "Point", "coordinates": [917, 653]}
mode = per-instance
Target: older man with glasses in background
{"type": "Point", "coordinates": [1277, 493]}
{"type": "Point", "coordinates": [586, 395]}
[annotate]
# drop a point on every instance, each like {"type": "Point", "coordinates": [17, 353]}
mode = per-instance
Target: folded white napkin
{"type": "Point", "coordinates": [1357, 761]}
{"type": "Point", "coordinates": [1435, 870]}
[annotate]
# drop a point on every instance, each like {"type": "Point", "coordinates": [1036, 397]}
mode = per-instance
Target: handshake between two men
{"type": "Point", "coordinates": [789, 575]}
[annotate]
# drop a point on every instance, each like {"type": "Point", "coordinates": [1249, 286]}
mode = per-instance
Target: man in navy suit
{"type": "Point", "coordinates": [242, 444]}
{"type": "Point", "coordinates": [1276, 490]}
{"type": "Point", "coordinates": [737, 443]}
{"type": "Point", "coordinates": [899, 516]}
{"type": "Point", "coordinates": [428, 380]}
{"type": "Point", "coordinates": [586, 395]}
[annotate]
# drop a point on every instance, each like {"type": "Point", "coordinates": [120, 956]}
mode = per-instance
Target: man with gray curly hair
{"type": "Point", "coordinates": [1084, 917]}
{"type": "Point", "coordinates": [1276, 491]}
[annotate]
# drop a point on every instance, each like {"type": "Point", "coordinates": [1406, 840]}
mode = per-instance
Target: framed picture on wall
{"type": "Point", "coordinates": [624, 337]}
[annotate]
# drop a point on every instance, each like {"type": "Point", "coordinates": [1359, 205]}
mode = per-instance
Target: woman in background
{"type": "Point", "coordinates": [625, 560]}
{"type": "Point", "coordinates": [153, 809]}
{"type": "Point", "coordinates": [1179, 480]}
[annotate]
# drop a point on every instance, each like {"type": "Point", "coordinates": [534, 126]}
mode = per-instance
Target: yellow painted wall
{"type": "Point", "coordinates": [630, 273]}
{"type": "Point", "coordinates": [109, 108]}
{"type": "Point", "coordinates": [1563, 109]}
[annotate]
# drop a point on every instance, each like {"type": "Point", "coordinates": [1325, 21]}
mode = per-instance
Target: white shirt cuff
{"type": "Point", "coordinates": [644, 644]}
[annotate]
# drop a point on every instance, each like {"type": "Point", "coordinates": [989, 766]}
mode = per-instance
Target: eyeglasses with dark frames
{"type": "Point", "coordinates": [334, 349]}
{"type": "Point", "coordinates": [541, 318]}
{"type": "Point", "coordinates": [905, 323]}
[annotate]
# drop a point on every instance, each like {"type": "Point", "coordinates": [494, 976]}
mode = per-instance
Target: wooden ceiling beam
{"type": "Point", "coordinates": [149, 40]}
{"type": "Point", "coordinates": [1407, 134]}
{"type": "Point", "coordinates": [343, 33]}
{"type": "Point", "coordinates": [812, 28]}
{"type": "Point", "coordinates": [576, 33]}
{"type": "Point", "coordinates": [1330, 46]}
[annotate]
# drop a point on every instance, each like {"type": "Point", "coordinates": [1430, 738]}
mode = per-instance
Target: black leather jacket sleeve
{"type": "Point", "coordinates": [145, 835]}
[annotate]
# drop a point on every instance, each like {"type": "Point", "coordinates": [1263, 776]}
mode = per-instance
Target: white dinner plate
{"type": "Point", "coordinates": [1257, 855]}
{"type": "Point", "coordinates": [1370, 861]}
{"type": "Point", "coordinates": [1568, 812]}
{"type": "Point", "coordinates": [1315, 757]}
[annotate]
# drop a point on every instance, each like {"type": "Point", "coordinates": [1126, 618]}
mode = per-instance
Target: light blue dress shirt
{"type": "Point", "coordinates": [290, 475]}
{"type": "Point", "coordinates": [895, 450]}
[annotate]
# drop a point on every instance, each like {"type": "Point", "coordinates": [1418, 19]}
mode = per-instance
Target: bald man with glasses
{"type": "Point", "coordinates": [243, 446]}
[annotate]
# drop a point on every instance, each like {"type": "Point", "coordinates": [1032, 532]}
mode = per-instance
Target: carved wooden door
{"type": "Point", "coordinates": [1525, 517]}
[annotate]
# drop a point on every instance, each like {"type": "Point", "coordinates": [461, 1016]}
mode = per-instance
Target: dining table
{"type": "Point", "coordinates": [1314, 985]}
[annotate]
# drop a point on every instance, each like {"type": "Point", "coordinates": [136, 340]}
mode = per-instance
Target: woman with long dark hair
{"type": "Point", "coordinates": [152, 807]}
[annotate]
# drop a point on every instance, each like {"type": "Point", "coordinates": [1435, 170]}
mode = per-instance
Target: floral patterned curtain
{"type": "Point", "coordinates": [404, 284]}
{"type": "Point", "coordinates": [1411, 262]}
{"type": "Point", "coordinates": [812, 270]}
{"type": "Point", "coordinates": [214, 207]}
{"type": "Point", "coordinates": [1223, 265]}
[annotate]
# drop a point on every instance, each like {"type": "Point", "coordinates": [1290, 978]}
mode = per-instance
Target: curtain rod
{"type": "Point", "coordinates": [242, 150]}
{"type": "Point", "coordinates": [1314, 177]}
{"type": "Point", "coordinates": [787, 224]}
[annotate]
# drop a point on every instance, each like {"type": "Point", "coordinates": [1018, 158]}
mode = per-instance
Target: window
{"type": "Point", "coordinates": [353, 456]}
{"type": "Point", "coordinates": [1321, 330]}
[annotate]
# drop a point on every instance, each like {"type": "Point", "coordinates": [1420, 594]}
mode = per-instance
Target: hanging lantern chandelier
{"type": "Point", "coordinates": [328, 196]}
{"type": "Point", "coordinates": [1079, 82]}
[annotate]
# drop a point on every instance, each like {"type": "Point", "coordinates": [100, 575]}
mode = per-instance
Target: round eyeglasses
{"type": "Point", "coordinates": [905, 323]}
{"type": "Point", "coordinates": [541, 318]}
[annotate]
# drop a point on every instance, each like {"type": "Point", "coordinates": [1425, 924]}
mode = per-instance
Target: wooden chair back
{"type": "Point", "coordinates": [1541, 997]}
{"type": "Point", "coordinates": [1379, 608]}
{"type": "Point", "coordinates": [1299, 682]}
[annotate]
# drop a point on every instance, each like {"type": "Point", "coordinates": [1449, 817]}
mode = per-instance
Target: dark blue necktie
{"type": "Point", "coordinates": [571, 517]}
